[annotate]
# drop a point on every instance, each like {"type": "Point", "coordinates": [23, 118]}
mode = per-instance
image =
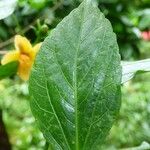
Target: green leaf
{"type": "Point", "coordinates": [75, 81]}
{"type": "Point", "coordinates": [144, 22]}
{"type": "Point", "coordinates": [9, 69]}
{"type": "Point", "coordinates": [6, 8]}
{"type": "Point", "coordinates": [129, 69]}
{"type": "Point", "coordinates": [37, 4]}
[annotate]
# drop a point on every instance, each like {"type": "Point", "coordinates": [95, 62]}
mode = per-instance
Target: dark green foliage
{"type": "Point", "coordinates": [8, 70]}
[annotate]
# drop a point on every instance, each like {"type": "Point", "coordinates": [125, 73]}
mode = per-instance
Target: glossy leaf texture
{"type": "Point", "coordinates": [75, 81]}
{"type": "Point", "coordinates": [9, 69]}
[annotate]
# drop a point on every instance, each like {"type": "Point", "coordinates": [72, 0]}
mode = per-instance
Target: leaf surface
{"type": "Point", "coordinates": [129, 69]}
{"type": "Point", "coordinates": [75, 81]}
{"type": "Point", "coordinates": [8, 70]}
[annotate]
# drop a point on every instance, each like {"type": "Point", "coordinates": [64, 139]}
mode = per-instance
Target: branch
{"type": "Point", "coordinates": [9, 41]}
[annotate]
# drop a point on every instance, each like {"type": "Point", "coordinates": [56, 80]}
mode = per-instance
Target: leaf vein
{"type": "Point", "coordinates": [41, 107]}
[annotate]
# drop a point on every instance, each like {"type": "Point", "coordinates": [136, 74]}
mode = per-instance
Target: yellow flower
{"type": "Point", "coordinates": [24, 53]}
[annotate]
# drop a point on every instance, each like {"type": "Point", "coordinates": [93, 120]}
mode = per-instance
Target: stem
{"type": "Point", "coordinates": [8, 42]}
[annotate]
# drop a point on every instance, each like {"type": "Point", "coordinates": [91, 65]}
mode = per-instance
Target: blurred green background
{"type": "Point", "coordinates": [35, 19]}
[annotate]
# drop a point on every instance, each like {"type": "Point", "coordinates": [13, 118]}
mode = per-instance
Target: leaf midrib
{"type": "Point", "coordinates": [75, 82]}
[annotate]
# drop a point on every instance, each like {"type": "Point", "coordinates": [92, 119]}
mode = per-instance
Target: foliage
{"type": "Point", "coordinates": [36, 20]}
{"type": "Point", "coordinates": [130, 130]}
{"type": "Point", "coordinates": [133, 124]}
{"type": "Point", "coordinates": [22, 130]}
{"type": "Point", "coordinates": [72, 100]}
{"type": "Point", "coordinates": [128, 19]}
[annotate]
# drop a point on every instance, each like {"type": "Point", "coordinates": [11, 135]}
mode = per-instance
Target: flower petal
{"type": "Point", "coordinates": [35, 49]}
{"type": "Point", "coordinates": [10, 56]}
{"type": "Point", "coordinates": [25, 65]}
{"type": "Point", "coordinates": [23, 44]}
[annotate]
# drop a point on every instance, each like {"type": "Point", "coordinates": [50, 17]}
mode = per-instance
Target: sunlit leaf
{"type": "Point", "coordinates": [129, 69]}
{"type": "Point", "coordinates": [75, 81]}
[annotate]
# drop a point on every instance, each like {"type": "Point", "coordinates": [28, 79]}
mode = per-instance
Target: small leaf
{"type": "Point", "coordinates": [144, 146]}
{"type": "Point", "coordinates": [8, 70]}
{"type": "Point", "coordinates": [144, 22]}
{"type": "Point", "coordinates": [6, 8]}
{"type": "Point", "coordinates": [129, 69]}
{"type": "Point", "coordinates": [75, 82]}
